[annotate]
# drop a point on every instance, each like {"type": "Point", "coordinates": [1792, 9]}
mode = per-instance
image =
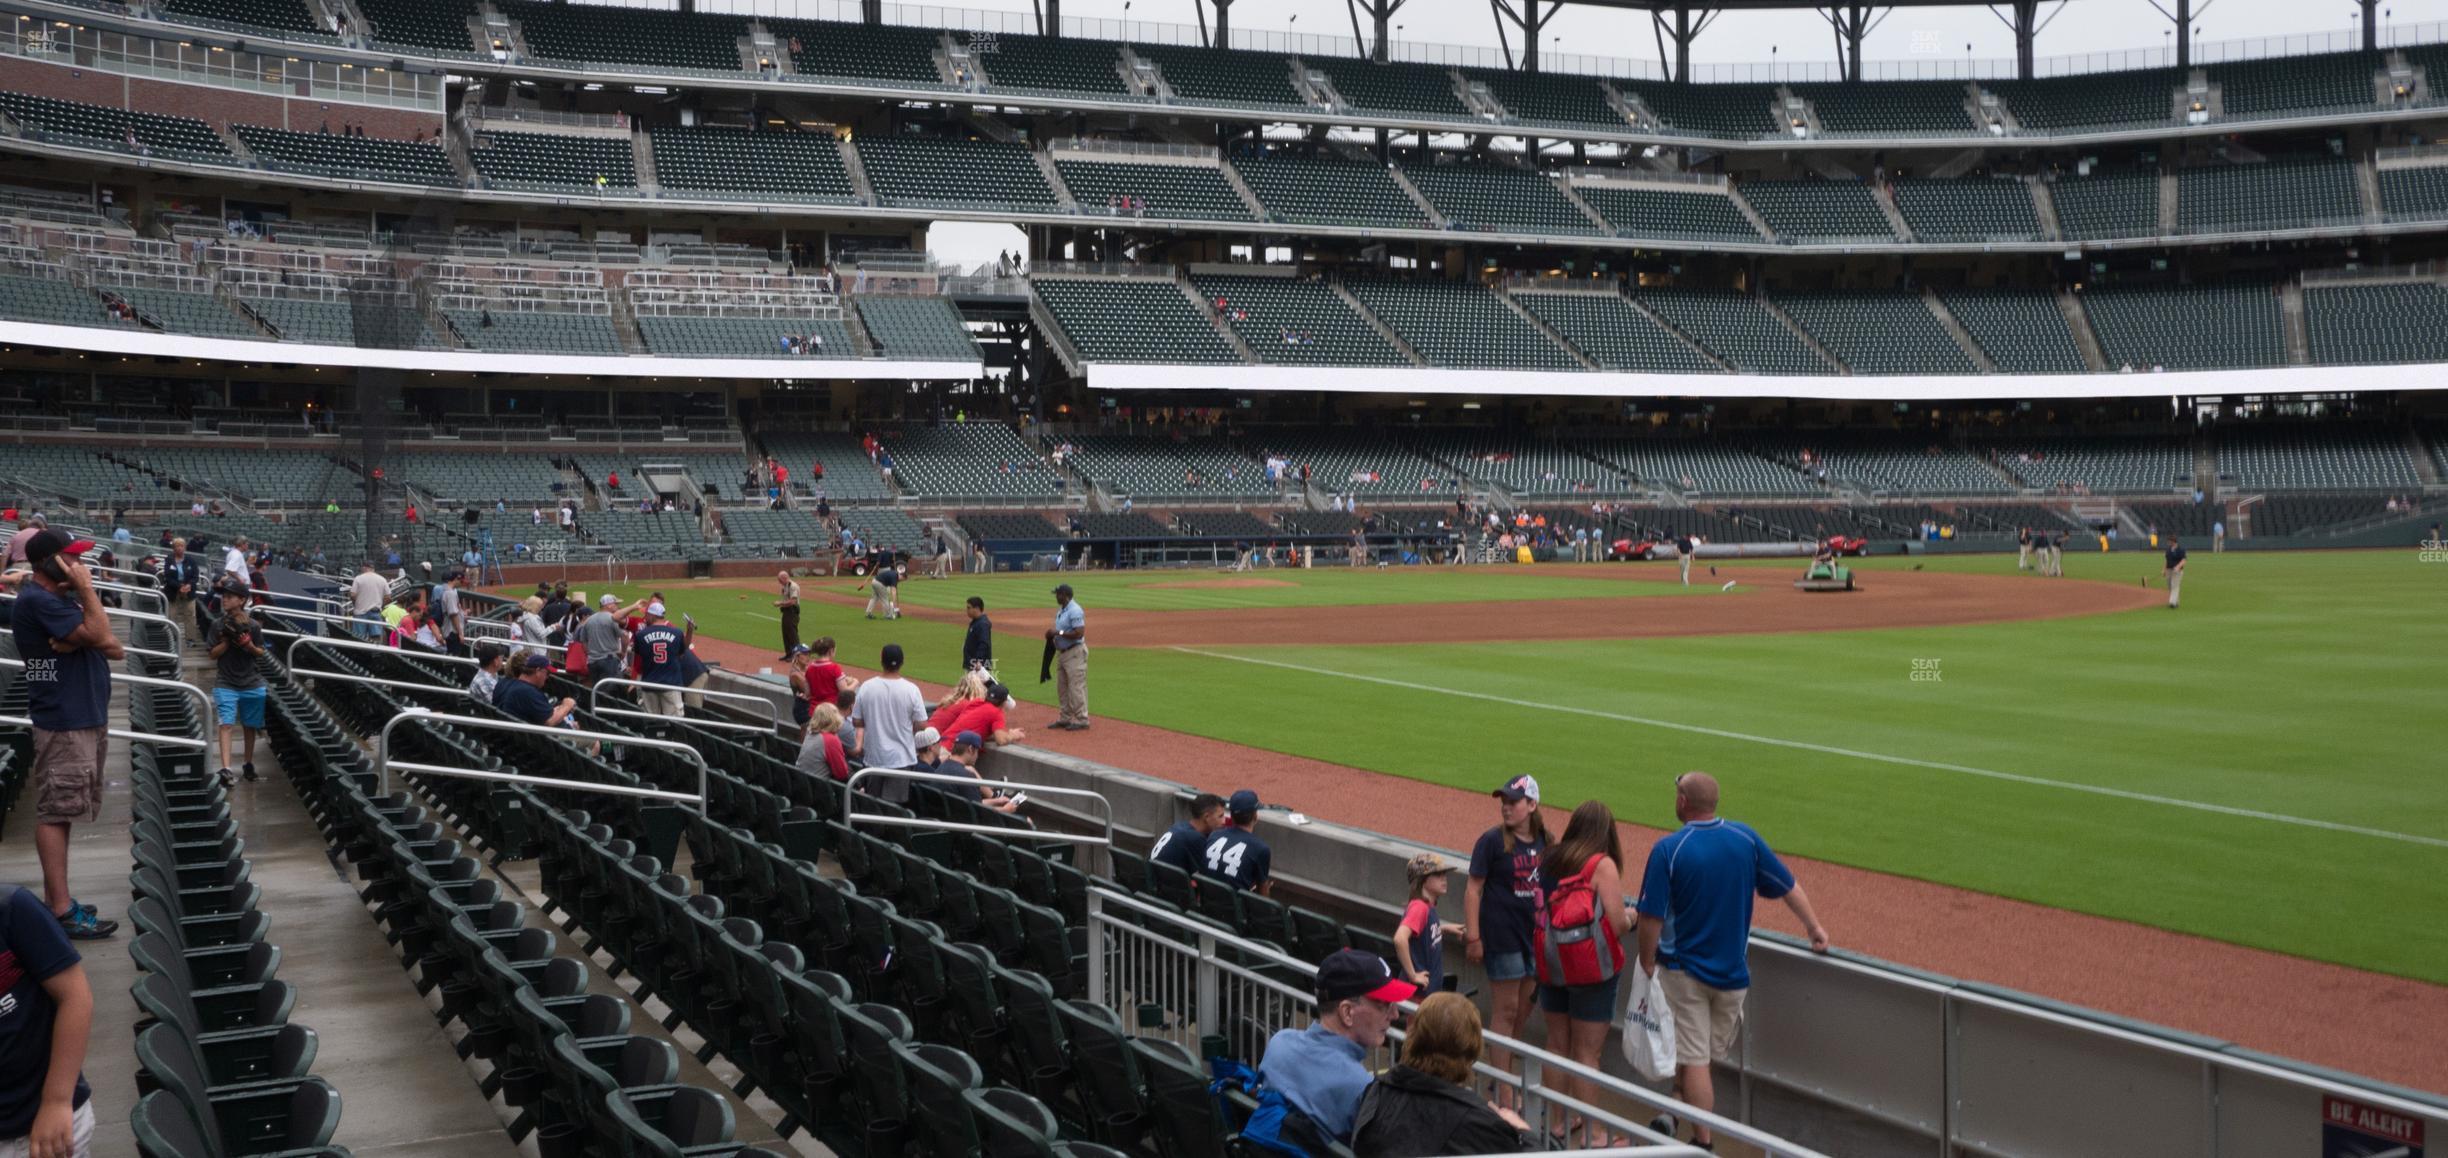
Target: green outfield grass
{"type": "Point", "coordinates": [2262, 767]}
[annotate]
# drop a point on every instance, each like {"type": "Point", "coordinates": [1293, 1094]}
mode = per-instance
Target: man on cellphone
{"type": "Point", "coordinates": [64, 637]}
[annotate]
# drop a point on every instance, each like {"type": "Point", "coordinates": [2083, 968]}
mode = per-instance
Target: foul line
{"type": "Point", "coordinates": [1831, 750]}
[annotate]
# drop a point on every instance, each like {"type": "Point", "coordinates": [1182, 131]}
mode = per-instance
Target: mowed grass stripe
{"type": "Point", "coordinates": [1831, 750]}
{"type": "Point", "coordinates": [1282, 587]}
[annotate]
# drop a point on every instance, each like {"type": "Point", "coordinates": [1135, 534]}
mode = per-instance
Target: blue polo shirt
{"type": "Point", "coordinates": [1700, 881]}
{"type": "Point", "coordinates": [1069, 618]}
{"type": "Point", "coordinates": [1321, 1073]}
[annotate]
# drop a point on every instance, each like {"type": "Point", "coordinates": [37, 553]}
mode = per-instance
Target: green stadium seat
{"type": "Point", "coordinates": [1300, 322]}
{"type": "Point", "coordinates": [1224, 76]}
{"type": "Point", "coordinates": [1321, 192]}
{"type": "Point", "coordinates": [2213, 327]}
{"type": "Point", "coordinates": [555, 162]}
{"type": "Point", "coordinates": [435, 26]}
{"type": "Point", "coordinates": [1819, 211]}
{"type": "Point", "coordinates": [1186, 192]}
{"type": "Point", "coordinates": [1395, 88]}
{"type": "Point", "coordinates": [1499, 198]}
{"type": "Point", "coordinates": [659, 38]}
{"type": "Point", "coordinates": [1702, 213]}
{"type": "Point", "coordinates": [332, 155]}
{"type": "Point", "coordinates": [929, 172]}
{"type": "Point", "coordinates": [1044, 64]}
{"type": "Point", "coordinates": [1972, 209]}
{"type": "Point", "coordinates": [1736, 328]}
{"type": "Point", "coordinates": [1613, 333]}
{"type": "Point", "coordinates": [1878, 332]}
{"type": "Point", "coordinates": [2273, 195]}
{"type": "Point", "coordinates": [718, 161]}
{"type": "Point", "coordinates": [1460, 325]}
{"type": "Point", "coordinates": [2023, 332]}
{"type": "Point", "coordinates": [2349, 325]}
{"type": "Point", "coordinates": [2122, 204]}
{"type": "Point", "coordinates": [1133, 320]}
{"type": "Point", "coordinates": [917, 328]}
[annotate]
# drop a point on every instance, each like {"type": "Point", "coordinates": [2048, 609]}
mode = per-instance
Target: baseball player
{"type": "Point", "coordinates": [2175, 571]}
{"type": "Point", "coordinates": [2023, 546]}
{"type": "Point", "coordinates": [1685, 546]}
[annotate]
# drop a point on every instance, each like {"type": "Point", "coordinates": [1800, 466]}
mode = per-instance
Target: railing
{"type": "Point", "coordinates": [1987, 1072]}
{"type": "Point", "coordinates": [1216, 983]}
{"type": "Point", "coordinates": [289, 657]}
{"type": "Point", "coordinates": [1132, 148]}
{"type": "Point", "coordinates": [204, 707]}
{"type": "Point", "coordinates": [852, 816]}
{"type": "Point", "coordinates": [773, 719]}
{"type": "Point", "coordinates": [383, 763]}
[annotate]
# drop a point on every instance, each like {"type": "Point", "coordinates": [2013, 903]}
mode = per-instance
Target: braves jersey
{"type": "Point", "coordinates": [659, 647]}
{"type": "Point", "coordinates": [1235, 855]}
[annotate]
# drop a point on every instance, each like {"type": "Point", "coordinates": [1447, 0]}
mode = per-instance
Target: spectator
{"type": "Point", "coordinates": [1500, 908]}
{"type": "Point", "coordinates": [888, 714]}
{"type": "Point", "coordinates": [1584, 900]}
{"type": "Point", "coordinates": [977, 647]}
{"type": "Point", "coordinates": [1695, 922]}
{"type": "Point", "coordinates": [523, 698]}
{"type": "Point", "coordinates": [986, 717]}
{"type": "Point", "coordinates": [659, 647]}
{"type": "Point", "coordinates": [1319, 1070]}
{"type": "Point", "coordinates": [490, 660]}
{"type": "Point", "coordinates": [556, 611]}
{"type": "Point", "coordinates": [1182, 845]}
{"type": "Point", "coordinates": [1428, 1104]}
{"type": "Point", "coordinates": [450, 623]}
{"type": "Point", "coordinates": [234, 643]}
{"type": "Point", "coordinates": [820, 681]}
{"type": "Point", "coordinates": [970, 690]}
{"type": "Point", "coordinates": [603, 638]}
{"type": "Point", "coordinates": [533, 635]}
{"type": "Point", "coordinates": [966, 748]}
{"type": "Point", "coordinates": [28, 526]}
{"type": "Point", "coordinates": [64, 638]}
{"type": "Point", "coordinates": [788, 608]}
{"type": "Point", "coordinates": [234, 560]}
{"type": "Point", "coordinates": [1234, 854]}
{"type": "Point", "coordinates": [1069, 639]}
{"type": "Point", "coordinates": [1419, 940]}
{"type": "Point", "coordinates": [46, 1108]}
{"type": "Point", "coordinates": [178, 575]}
{"type": "Point", "coordinates": [821, 752]}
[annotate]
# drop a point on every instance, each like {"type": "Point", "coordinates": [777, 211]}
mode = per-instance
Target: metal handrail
{"type": "Point", "coordinates": [178, 635]}
{"type": "Point", "coordinates": [773, 718]}
{"type": "Point", "coordinates": [383, 763]}
{"type": "Point", "coordinates": [1102, 895]}
{"type": "Point", "coordinates": [511, 637]}
{"type": "Point", "coordinates": [851, 814]}
{"type": "Point", "coordinates": [203, 705]}
{"type": "Point", "coordinates": [289, 658]}
{"type": "Point", "coordinates": [161, 599]}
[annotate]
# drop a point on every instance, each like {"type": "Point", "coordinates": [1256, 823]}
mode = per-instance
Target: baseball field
{"type": "Point", "coordinates": [2263, 766]}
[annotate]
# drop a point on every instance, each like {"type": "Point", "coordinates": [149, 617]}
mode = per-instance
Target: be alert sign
{"type": "Point", "coordinates": [2350, 1129]}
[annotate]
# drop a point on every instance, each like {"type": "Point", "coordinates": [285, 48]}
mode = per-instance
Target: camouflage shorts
{"type": "Point", "coordinates": [68, 774]}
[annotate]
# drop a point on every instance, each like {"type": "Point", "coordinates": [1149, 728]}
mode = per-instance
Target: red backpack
{"type": "Point", "coordinates": [1576, 946]}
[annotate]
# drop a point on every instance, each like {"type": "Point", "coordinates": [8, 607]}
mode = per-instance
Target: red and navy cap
{"type": "Point", "coordinates": [1349, 973]}
{"type": "Point", "coordinates": [46, 543]}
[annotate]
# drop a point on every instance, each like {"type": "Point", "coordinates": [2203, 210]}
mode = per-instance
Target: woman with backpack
{"type": "Point", "coordinates": [1580, 942]}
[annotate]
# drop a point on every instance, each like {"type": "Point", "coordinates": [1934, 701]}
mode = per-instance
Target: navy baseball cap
{"type": "Point", "coordinates": [997, 693]}
{"type": "Point", "coordinates": [42, 545]}
{"type": "Point", "coordinates": [1062, 589]}
{"type": "Point", "coordinates": [799, 649]}
{"type": "Point", "coordinates": [1242, 801]}
{"type": "Point", "coordinates": [969, 740]}
{"type": "Point", "coordinates": [1519, 788]}
{"type": "Point", "coordinates": [892, 657]}
{"type": "Point", "coordinates": [1349, 973]}
{"type": "Point", "coordinates": [535, 661]}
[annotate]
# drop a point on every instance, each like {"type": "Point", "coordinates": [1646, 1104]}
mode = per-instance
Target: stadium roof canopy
{"type": "Point", "coordinates": [1682, 21]}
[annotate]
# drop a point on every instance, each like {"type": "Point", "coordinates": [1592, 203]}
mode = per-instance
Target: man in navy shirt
{"type": "Point", "coordinates": [977, 645]}
{"type": "Point", "coordinates": [1183, 844]}
{"type": "Point", "coordinates": [46, 1012]}
{"type": "Point", "coordinates": [64, 637]}
{"type": "Point", "coordinates": [659, 647]}
{"type": "Point", "coordinates": [1235, 855]}
{"type": "Point", "coordinates": [524, 699]}
{"type": "Point", "coordinates": [1695, 920]}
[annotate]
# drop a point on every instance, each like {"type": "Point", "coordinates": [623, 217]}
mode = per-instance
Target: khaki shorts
{"type": "Point", "coordinates": [1706, 1019]}
{"type": "Point", "coordinates": [660, 703]}
{"type": "Point", "coordinates": [68, 774]}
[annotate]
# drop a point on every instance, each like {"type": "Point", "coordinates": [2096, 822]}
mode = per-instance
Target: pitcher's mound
{"type": "Point", "coordinates": [1233, 584]}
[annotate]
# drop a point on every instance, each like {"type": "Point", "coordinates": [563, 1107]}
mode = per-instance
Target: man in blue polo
{"type": "Point", "coordinates": [1320, 1070]}
{"type": "Point", "coordinates": [1695, 921]}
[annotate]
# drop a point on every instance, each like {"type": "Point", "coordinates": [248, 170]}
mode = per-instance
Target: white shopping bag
{"type": "Point", "coordinates": [1648, 1028]}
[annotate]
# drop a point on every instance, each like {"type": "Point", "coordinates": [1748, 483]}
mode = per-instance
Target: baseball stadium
{"type": "Point", "coordinates": [785, 577]}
